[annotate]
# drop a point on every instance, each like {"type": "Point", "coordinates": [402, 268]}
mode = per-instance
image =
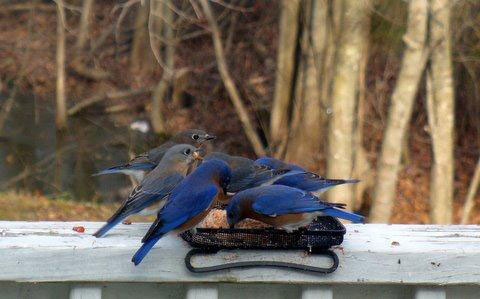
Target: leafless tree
{"type": "Point", "coordinates": [411, 70]}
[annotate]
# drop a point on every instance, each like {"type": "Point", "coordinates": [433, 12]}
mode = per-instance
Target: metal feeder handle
{"type": "Point", "coordinates": [252, 264]}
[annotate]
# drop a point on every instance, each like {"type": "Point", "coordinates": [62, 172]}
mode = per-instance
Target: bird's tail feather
{"type": "Point", "coordinates": [108, 226]}
{"type": "Point", "coordinates": [339, 205]}
{"type": "Point", "coordinates": [115, 219]}
{"type": "Point", "coordinates": [123, 168]}
{"type": "Point", "coordinates": [336, 182]}
{"type": "Point", "coordinates": [344, 215]}
{"type": "Point", "coordinates": [142, 252]}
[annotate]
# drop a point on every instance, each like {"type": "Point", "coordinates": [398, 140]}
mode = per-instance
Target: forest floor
{"type": "Point", "coordinates": [29, 207]}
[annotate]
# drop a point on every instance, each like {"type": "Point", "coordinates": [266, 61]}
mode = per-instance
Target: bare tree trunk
{"type": "Point", "coordinates": [79, 61]}
{"type": "Point", "coordinates": [333, 26]}
{"type": "Point", "coordinates": [287, 45]}
{"type": "Point", "coordinates": [230, 84]}
{"type": "Point", "coordinates": [472, 190]}
{"type": "Point", "coordinates": [361, 167]}
{"type": "Point", "coordinates": [61, 113]}
{"type": "Point", "coordinates": [305, 144]}
{"type": "Point", "coordinates": [441, 114]}
{"type": "Point", "coordinates": [344, 95]}
{"type": "Point", "coordinates": [84, 24]}
{"type": "Point", "coordinates": [141, 57]}
{"type": "Point", "coordinates": [413, 64]}
{"type": "Point", "coordinates": [163, 17]}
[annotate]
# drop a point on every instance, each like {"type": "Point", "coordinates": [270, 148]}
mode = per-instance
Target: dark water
{"type": "Point", "coordinates": [37, 158]}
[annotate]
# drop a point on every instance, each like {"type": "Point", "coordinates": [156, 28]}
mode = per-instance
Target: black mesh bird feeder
{"type": "Point", "coordinates": [315, 239]}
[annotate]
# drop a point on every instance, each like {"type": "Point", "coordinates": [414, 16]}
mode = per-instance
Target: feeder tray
{"type": "Point", "coordinates": [317, 238]}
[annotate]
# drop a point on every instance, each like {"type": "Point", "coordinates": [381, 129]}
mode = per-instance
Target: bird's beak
{"type": "Point", "coordinates": [197, 155]}
{"type": "Point", "coordinates": [210, 137]}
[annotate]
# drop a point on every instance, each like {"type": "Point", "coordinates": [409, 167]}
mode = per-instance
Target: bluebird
{"type": "Point", "coordinates": [298, 177]}
{"type": "Point", "coordinates": [188, 204]}
{"type": "Point", "coordinates": [277, 164]}
{"type": "Point", "coordinates": [245, 173]}
{"type": "Point", "coordinates": [143, 163]}
{"type": "Point", "coordinates": [150, 195]}
{"type": "Point", "coordinates": [282, 207]}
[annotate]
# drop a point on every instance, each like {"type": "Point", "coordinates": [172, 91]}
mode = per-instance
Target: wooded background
{"type": "Point", "coordinates": [383, 91]}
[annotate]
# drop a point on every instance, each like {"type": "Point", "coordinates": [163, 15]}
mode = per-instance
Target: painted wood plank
{"type": "Point", "coordinates": [371, 253]}
{"type": "Point", "coordinates": [430, 293]}
{"type": "Point", "coordinates": [86, 291]}
{"type": "Point", "coordinates": [317, 292]}
{"type": "Point", "coordinates": [202, 291]}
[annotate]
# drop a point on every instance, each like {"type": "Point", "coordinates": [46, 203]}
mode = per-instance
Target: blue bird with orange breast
{"type": "Point", "coordinates": [188, 204]}
{"type": "Point", "coordinates": [149, 196]}
{"type": "Point", "coordinates": [298, 177]}
{"type": "Point", "coordinates": [277, 164]}
{"type": "Point", "coordinates": [143, 163]}
{"type": "Point", "coordinates": [282, 207]}
{"type": "Point", "coordinates": [245, 173]}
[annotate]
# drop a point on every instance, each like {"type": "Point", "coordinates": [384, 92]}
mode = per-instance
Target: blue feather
{"type": "Point", "coordinates": [146, 247]}
{"type": "Point", "coordinates": [153, 189]}
{"type": "Point", "coordinates": [145, 166]}
{"type": "Point", "coordinates": [108, 226]}
{"type": "Point", "coordinates": [310, 182]}
{"type": "Point", "coordinates": [275, 200]}
{"type": "Point", "coordinates": [277, 164]}
{"type": "Point", "coordinates": [191, 197]}
{"type": "Point", "coordinates": [344, 215]}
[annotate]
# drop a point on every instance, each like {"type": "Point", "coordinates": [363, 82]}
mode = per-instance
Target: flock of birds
{"type": "Point", "coordinates": [180, 183]}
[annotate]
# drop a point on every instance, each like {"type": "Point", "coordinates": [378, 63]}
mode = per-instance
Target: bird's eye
{"type": "Point", "coordinates": [195, 137]}
{"type": "Point", "coordinates": [187, 151]}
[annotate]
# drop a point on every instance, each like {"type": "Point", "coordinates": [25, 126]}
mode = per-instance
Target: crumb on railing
{"type": "Point", "coordinates": [79, 229]}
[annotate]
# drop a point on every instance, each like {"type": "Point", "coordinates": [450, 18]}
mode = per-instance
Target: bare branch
{"type": "Point", "coordinates": [84, 24]}
{"type": "Point", "coordinates": [61, 116]}
{"type": "Point", "coordinates": [154, 7]}
{"type": "Point", "coordinates": [90, 73]}
{"type": "Point", "coordinates": [229, 83]}
{"type": "Point", "coordinates": [232, 7]}
{"type": "Point", "coordinates": [123, 13]}
{"type": "Point", "coordinates": [8, 8]}
{"type": "Point", "coordinates": [196, 9]}
{"type": "Point", "coordinates": [472, 190]}
{"type": "Point", "coordinates": [107, 95]}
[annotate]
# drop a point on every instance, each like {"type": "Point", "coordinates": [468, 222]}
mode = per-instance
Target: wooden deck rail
{"type": "Point", "coordinates": [50, 260]}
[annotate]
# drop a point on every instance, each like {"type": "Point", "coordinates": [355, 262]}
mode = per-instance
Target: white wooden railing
{"type": "Point", "coordinates": [50, 260]}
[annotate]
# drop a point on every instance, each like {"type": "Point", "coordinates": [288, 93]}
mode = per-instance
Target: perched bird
{"type": "Point", "coordinates": [245, 173]}
{"type": "Point", "coordinates": [277, 164]}
{"type": "Point", "coordinates": [188, 203]}
{"type": "Point", "coordinates": [299, 178]}
{"type": "Point", "coordinates": [310, 182]}
{"type": "Point", "coordinates": [283, 207]}
{"type": "Point", "coordinates": [150, 195]}
{"type": "Point", "coordinates": [145, 162]}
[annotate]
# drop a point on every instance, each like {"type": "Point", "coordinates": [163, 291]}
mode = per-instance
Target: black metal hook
{"type": "Point", "coordinates": [199, 251]}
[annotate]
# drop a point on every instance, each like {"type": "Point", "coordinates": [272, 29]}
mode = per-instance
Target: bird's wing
{"type": "Point", "coordinates": [277, 164]}
{"type": "Point", "coordinates": [153, 156]}
{"type": "Point", "coordinates": [183, 206]}
{"type": "Point", "coordinates": [253, 176]}
{"type": "Point", "coordinates": [142, 197]}
{"type": "Point", "coordinates": [309, 181]}
{"type": "Point", "coordinates": [151, 189]}
{"type": "Point", "coordinates": [280, 200]}
{"type": "Point", "coordinates": [146, 166]}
